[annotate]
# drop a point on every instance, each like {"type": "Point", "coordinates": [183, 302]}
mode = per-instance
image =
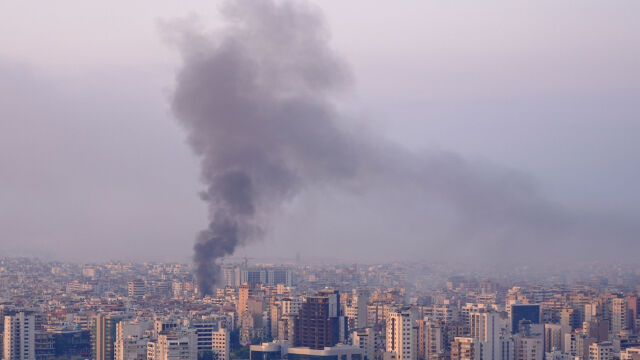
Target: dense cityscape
{"type": "Point", "coordinates": [262, 311]}
{"type": "Point", "coordinates": [319, 180]}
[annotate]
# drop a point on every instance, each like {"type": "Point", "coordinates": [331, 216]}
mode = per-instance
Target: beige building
{"type": "Point", "coordinates": [632, 353]}
{"type": "Point", "coordinates": [243, 296]}
{"type": "Point", "coordinates": [619, 315]}
{"type": "Point", "coordinates": [401, 334]}
{"type": "Point", "coordinates": [177, 345]}
{"type": "Point", "coordinates": [466, 348]}
{"type": "Point", "coordinates": [489, 328]}
{"type": "Point", "coordinates": [365, 340]}
{"type": "Point", "coordinates": [220, 344]}
{"type": "Point", "coordinates": [528, 347]}
{"type": "Point", "coordinates": [136, 288]}
{"type": "Point", "coordinates": [601, 351]}
{"type": "Point", "coordinates": [431, 339]}
{"type": "Point", "coordinates": [131, 342]}
{"type": "Point", "coordinates": [19, 337]}
{"type": "Point", "coordinates": [552, 337]}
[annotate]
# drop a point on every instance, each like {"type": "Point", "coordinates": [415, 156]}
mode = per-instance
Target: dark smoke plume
{"type": "Point", "coordinates": [257, 98]}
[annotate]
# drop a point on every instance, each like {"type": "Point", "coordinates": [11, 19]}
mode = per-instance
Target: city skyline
{"type": "Point", "coordinates": [319, 180]}
{"type": "Point", "coordinates": [157, 311]}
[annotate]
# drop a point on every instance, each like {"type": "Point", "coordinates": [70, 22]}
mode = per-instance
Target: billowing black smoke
{"type": "Point", "coordinates": [257, 98]}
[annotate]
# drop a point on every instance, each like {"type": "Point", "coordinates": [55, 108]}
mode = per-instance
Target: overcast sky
{"type": "Point", "coordinates": [93, 165]}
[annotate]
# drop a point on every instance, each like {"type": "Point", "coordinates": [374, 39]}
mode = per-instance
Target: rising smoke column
{"type": "Point", "coordinates": [255, 98]}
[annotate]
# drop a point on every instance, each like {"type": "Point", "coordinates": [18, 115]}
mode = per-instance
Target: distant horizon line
{"type": "Point", "coordinates": [260, 261]}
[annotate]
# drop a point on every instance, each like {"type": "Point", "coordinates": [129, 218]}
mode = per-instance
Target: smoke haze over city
{"type": "Point", "coordinates": [502, 134]}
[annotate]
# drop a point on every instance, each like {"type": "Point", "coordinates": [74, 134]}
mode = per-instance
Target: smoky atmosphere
{"type": "Point", "coordinates": [464, 132]}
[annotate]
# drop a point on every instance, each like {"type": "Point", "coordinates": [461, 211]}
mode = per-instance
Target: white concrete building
{"type": "Point", "coordinates": [131, 340]}
{"type": "Point", "coordinates": [137, 288]}
{"type": "Point", "coordinates": [553, 337]}
{"type": "Point", "coordinates": [528, 347]}
{"type": "Point", "coordinates": [355, 309]}
{"type": "Point", "coordinates": [433, 339]}
{"type": "Point", "coordinates": [619, 315]}
{"type": "Point", "coordinates": [178, 345]}
{"type": "Point", "coordinates": [365, 340]}
{"type": "Point", "coordinates": [19, 337]}
{"type": "Point", "coordinates": [401, 334]}
{"type": "Point", "coordinates": [466, 348]}
{"type": "Point", "coordinates": [488, 328]}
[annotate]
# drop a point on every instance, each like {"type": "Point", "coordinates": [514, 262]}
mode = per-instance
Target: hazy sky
{"type": "Point", "coordinates": [94, 166]}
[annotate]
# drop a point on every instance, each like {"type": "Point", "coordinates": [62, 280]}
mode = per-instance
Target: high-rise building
{"type": "Point", "coordinates": [446, 313]}
{"type": "Point", "coordinates": [552, 337]}
{"type": "Point", "coordinates": [468, 308]}
{"type": "Point", "coordinates": [619, 315]}
{"type": "Point", "coordinates": [431, 339]}
{"type": "Point", "coordinates": [231, 275]}
{"type": "Point", "coordinates": [279, 276]}
{"type": "Point", "coordinates": [578, 344]}
{"type": "Point", "coordinates": [591, 311]}
{"type": "Point", "coordinates": [204, 329]}
{"type": "Point", "coordinates": [257, 275]}
{"type": "Point", "coordinates": [601, 351]}
{"type": "Point", "coordinates": [365, 339]}
{"type": "Point", "coordinates": [356, 309]}
{"type": "Point", "coordinates": [163, 325]}
{"type": "Point", "coordinates": [521, 312]}
{"type": "Point", "coordinates": [402, 333]}
{"type": "Point", "coordinates": [508, 349]}
{"type": "Point", "coordinates": [131, 342]}
{"type": "Point", "coordinates": [597, 329]}
{"type": "Point", "coordinates": [286, 327]}
{"type": "Point", "coordinates": [103, 335]}
{"type": "Point", "coordinates": [527, 347]}
{"type": "Point", "coordinates": [137, 288]}
{"type": "Point", "coordinates": [319, 323]}
{"type": "Point", "coordinates": [275, 313]}
{"type": "Point", "coordinates": [44, 345]}
{"type": "Point", "coordinates": [490, 329]}
{"type": "Point", "coordinates": [633, 304]}
{"type": "Point", "coordinates": [465, 348]}
{"type": "Point", "coordinates": [254, 276]}
{"type": "Point", "coordinates": [175, 345]}
{"type": "Point", "coordinates": [243, 296]}
{"type": "Point", "coordinates": [19, 337]}
{"type": "Point", "coordinates": [290, 305]}
{"type": "Point", "coordinates": [220, 344]}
